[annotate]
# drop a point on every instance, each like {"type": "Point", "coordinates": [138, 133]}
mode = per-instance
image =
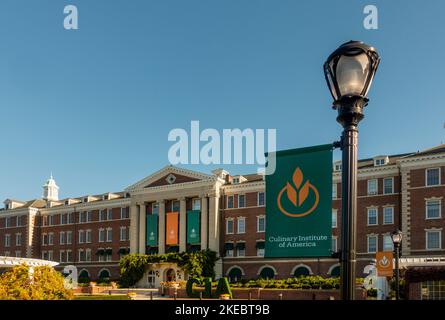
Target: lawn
{"type": "Point", "coordinates": [102, 297]}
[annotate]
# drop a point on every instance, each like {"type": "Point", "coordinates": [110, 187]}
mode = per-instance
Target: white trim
{"type": "Point", "coordinates": [383, 214]}
{"type": "Point", "coordinates": [241, 195]}
{"type": "Point", "coordinates": [376, 188]}
{"type": "Point", "coordinates": [426, 208]}
{"type": "Point", "coordinates": [258, 223]}
{"type": "Point", "coordinates": [376, 216]}
{"type": "Point", "coordinates": [392, 184]}
{"type": "Point", "coordinates": [333, 267]}
{"type": "Point", "coordinates": [233, 267]}
{"type": "Point", "coordinates": [426, 177]}
{"type": "Point", "coordinates": [439, 230]}
{"type": "Point", "coordinates": [233, 201]}
{"type": "Point", "coordinates": [336, 243]}
{"type": "Point", "coordinates": [83, 269]}
{"type": "Point", "coordinates": [301, 265]}
{"type": "Point", "coordinates": [233, 226]}
{"type": "Point", "coordinates": [376, 242]}
{"type": "Point", "coordinates": [334, 212]}
{"type": "Point", "coordinates": [267, 266]}
{"type": "Point", "coordinates": [258, 199]}
{"type": "Point", "coordinates": [238, 219]}
{"type": "Point", "coordinates": [100, 271]}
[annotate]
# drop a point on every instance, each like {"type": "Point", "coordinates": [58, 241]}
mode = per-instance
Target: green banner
{"type": "Point", "coordinates": [152, 230]}
{"type": "Point", "coordinates": [299, 204]}
{"type": "Point", "coordinates": [193, 227]}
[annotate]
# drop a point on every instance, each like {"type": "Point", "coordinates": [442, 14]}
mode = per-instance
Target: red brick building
{"type": "Point", "coordinates": [92, 232]}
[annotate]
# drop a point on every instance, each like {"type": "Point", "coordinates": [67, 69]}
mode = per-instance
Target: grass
{"type": "Point", "coordinates": [102, 297]}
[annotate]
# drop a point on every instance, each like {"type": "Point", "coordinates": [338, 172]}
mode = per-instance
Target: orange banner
{"type": "Point", "coordinates": [384, 260]}
{"type": "Point", "coordinates": [172, 228]}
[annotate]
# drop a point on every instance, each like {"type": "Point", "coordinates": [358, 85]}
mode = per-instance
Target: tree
{"type": "Point", "coordinates": [43, 283]}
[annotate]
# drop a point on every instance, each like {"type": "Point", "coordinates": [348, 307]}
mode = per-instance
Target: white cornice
{"type": "Point", "coordinates": [166, 170]}
{"type": "Point", "coordinates": [85, 206]}
{"type": "Point", "coordinates": [244, 187]}
{"type": "Point", "coordinates": [422, 160]}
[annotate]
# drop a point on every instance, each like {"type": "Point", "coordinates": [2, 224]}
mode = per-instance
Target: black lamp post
{"type": "Point", "coordinates": [397, 240]}
{"type": "Point", "coordinates": [349, 72]}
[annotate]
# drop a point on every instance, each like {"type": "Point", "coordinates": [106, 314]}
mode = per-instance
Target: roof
{"type": "Point", "coordinates": [430, 151]}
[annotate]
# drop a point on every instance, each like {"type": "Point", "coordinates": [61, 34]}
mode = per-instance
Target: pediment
{"type": "Point", "coordinates": [170, 175]}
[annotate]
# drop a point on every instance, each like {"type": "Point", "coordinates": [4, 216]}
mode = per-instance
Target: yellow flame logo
{"type": "Point", "coordinates": [298, 194]}
{"type": "Point", "coordinates": [384, 262]}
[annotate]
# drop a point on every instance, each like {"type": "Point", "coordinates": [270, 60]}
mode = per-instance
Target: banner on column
{"type": "Point", "coordinates": [193, 227]}
{"type": "Point", "coordinates": [152, 230]}
{"type": "Point", "coordinates": [299, 204]}
{"type": "Point", "coordinates": [172, 228]}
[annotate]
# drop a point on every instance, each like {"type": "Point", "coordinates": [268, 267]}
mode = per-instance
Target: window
{"type": "Point", "coordinates": [241, 249]}
{"type": "Point", "coordinates": [70, 218]}
{"type": "Point", "coordinates": [50, 238]}
{"type": "Point", "coordinates": [261, 224]}
{"type": "Point", "coordinates": [235, 180]}
{"type": "Point", "coordinates": [433, 177]}
{"type": "Point", "coordinates": [7, 222]}
{"type": "Point", "coordinates": [387, 243]}
{"type": "Point", "coordinates": [62, 256]}
{"type": "Point", "coordinates": [433, 209]}
{"type": "Point", "coordinates": [103, 215]}
{"type": "Point", "coordinates": [45, 255]}
{"type": "Point", "coordinates": [433, 239]}
{"type": "Point", "coordinates": [241, 201]}
{"type": "Point", "coordinates": [82, 217]}
{"type": "Point", "coordinates": [108, 255]}
{"type": "Point", "coordinates": [7, 240]}
{"type": "Point", "coordinates": [155, 208]}
{"type": "Point", "coordinates": [88, 255]}
{"type": "Point", "coordinates": [63, 219]}
{"type": "Point", "coordinates": [110, 214]}
{"type": "Point", "coordinates": [379, 162]}
{"type": "Point", "coordinates": [44, 239]}
{"type": "Point", "coordinates": [81, 236]}
{"type": "Point", "coordinates": [372, 217]}
{"type": "Point", "coordinates": [89, 216]}
{"type": "Point", "coordinates": [69, 237]}
{"type": "Point", "coordinates": [260, 248]}
{"type": "Point", "coordinates": [109, 234]}
{"type": "Point", "coordinates": [50, 220]}
{"type": "Point", "coordinates": [101, 235]}
{"type": "Point", "coordinates": [69, 256]}
{"type": "Point", "coordinates": [337, 166]}
{"type": "Point", "coordinates": [334, 244]}
{"type": "Point", "coordinates": [81, 255]}
{"type": "Point", "coordinates": [44, 221]}
{"type": "Point", "coordinates": [176, 206]}
{"type": "Point", "coordinates": [372, 186]}
{"type": "Point", "coordinates": [334, 191]}
{"type": "Point", "coordinates": [372, 244]}
{"type": "Point", "coordinates": [18, 239]}
{"type": "Point", "coordinates": [19, 221]}
{"type": "Point", "coordinates": [62, 237]}
{"type": "Point", "coordinates": [388, 185]}
{"type": "Point", "coordinates": [124, 213]}
{"type": "Point", "coordinates": [88, 236]}
{"type": "Point", "coordinates": [334, 218]}
{"type": "Point", "coordinates": [123, 234]}
{"type": "Point", "coordinates": [7, 254]}
{"type": "Point", "coordinates": [196, 204]}
{"type": "Point", "coordinates": [18, 254]}
{"type": "Point", "coordinates": [241, 225]}
{"type": "Point", "coordinates": [50, 255]}
{"type": "Point", "coordinates": [230, 202]}
{"type": "Point", "coordinates": [228, 248]}
{"type": "Point", "coordinates": [388, 215]}
{"type": "Point", "coordinates": [229, 226]}
{"type": "Point", "coordinates": [261, 199]}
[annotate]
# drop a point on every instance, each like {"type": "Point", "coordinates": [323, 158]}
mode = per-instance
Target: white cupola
{"type": "Point", "coordinates": [51, 190]}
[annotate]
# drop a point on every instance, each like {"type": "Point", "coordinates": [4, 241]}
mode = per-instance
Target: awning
{"type": "Point", "coordinates": [108, 251]}
{"type": "Point", "coordinates": [228, 246]}
{"type": "Point", "coordinates": [100, 252]}
{"type": "Point", "coordinates": [124, 250]}
{"type": "Point", "coordinates": [172, 249]}
{"type": "Point", "coordinates": [240, 245]}
{"type": "Point", "coordinates": [260, 245]}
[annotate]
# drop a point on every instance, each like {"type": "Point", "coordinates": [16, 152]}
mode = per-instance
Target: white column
{"type": "Point", "coordinates": [182, 226]}
{"type": "Point", "coordinates": [204, 222]}
{"type": "Point", "coordinates": [161, 231]}
{"type": "Point", "coordinates": [213, 223]}
{"type": "Point", "coordinates": [134, 239]}
{"type": "Point", "coordinates": [142, 227]}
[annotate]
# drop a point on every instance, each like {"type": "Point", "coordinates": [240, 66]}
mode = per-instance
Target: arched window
{"type": "Point", "coordinates": [335, 271]}
{"type": "Point", "coordinates": [267, 273]}
{"type": "Point", "coordinates": [235, 274]}
{"type": "Point", "coordinates": [151, 279]}
{"type": "Point", "coordinates": [84, 274]}
{"type": "Point", "coordinates": [301, 271]}
{"type": "Point", "coordinates": [104, 274]}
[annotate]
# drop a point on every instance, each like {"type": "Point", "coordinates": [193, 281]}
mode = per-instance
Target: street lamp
{"type": "Point", "coordinates": [397, 239]}
{"type": "Point", "coordinates": [349, 72]}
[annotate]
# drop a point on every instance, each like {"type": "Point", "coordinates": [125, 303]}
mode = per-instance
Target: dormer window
{"type": "Point", "coordinates": [67, 202]}
{"type": "Point", "coordinates": [380, 161]}
{"type": "Point", "coordinates": [85, 199]}
{"type": "Point", "coordinates": [105, 197]}
{"type": "Point", "coordinates": [337, 166]}
{"type": "Point", "coordinates": [7, 206]}
{"type": "Point", "coordinates": [235, 180]}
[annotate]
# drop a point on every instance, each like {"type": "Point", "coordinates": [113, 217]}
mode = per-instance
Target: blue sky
{"type": "Point", "coordinates": [95, 106]}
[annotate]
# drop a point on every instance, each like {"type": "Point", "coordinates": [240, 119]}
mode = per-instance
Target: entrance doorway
{"type": "Point", "coordinates": [170, 275]}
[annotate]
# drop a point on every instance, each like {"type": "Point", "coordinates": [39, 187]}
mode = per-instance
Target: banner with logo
{"type": "Point", "coordinates": [172, 228]}
{"type": "Point", "coordinates": [299, 204]}
{"type": "Point", "coordinates": [152, 230]}
{"type": "Point", "coordinates": [193, 227]}
{"type": "Point", "coordinates": [384, 263]}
